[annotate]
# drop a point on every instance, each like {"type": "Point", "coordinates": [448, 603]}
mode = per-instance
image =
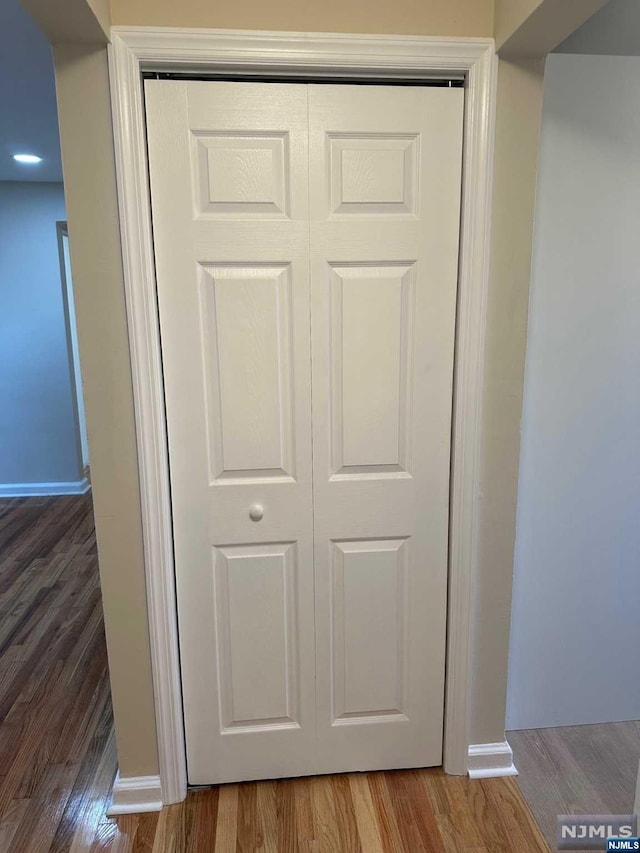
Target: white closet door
{"type": "Point", "coordinates": [385, 177]}
{"type": "Point", "coordinates": [229, 186]}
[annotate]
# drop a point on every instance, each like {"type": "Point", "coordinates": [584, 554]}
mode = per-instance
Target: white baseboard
{"type": "Point", "coordinates": [32, 490]}
{"type": "Point", "coordinates": [135, 794]}
{"type": "Point", "coordinates": [487, 760]}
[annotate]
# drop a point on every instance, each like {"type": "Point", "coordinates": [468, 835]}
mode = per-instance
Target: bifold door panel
{"type": "Point", "coordinates": [306, 241]}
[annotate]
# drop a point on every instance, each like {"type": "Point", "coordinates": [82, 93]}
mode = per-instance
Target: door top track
{"type": "Point", "coordinates": [442, 82]}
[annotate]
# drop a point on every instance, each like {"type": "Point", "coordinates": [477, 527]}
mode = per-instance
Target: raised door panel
{"type": "Point", "coordinates": [385, 174]}
{"type": "Point", "coordinates": [243, 176]}
{"type": "Point", "coordinates": [257, 627]}
{"type": "Point", "coordinates": [369, 630]}
{"type": "Point", "coordinates": [249, 363]}
{"type": "Point", "coordinates": [229, 187]}
{"type": "Point", "coordinates": [371, 367]}
{"type": "Point", "coordinates": [373, 173]}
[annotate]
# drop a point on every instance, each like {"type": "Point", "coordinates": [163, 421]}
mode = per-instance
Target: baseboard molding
{"type": "Point", "coordinates": [135, 794]}
{"type": "Point", "coordinates": [487, 760]}
{"type": "Point", "coordinates": [32, 490]}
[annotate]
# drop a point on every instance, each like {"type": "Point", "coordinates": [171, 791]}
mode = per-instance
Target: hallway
{"type": "Point", "coordinates": [57, 751]}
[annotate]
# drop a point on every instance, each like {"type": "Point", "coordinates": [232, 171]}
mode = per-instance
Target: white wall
{"type": "Point", "coordinates": [575, 640]}
{"type": "Point", "coordinates": [39, 440]}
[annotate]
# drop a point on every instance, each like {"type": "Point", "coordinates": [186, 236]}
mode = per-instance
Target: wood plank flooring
{"type": "Point", "coordinates": [577, 770]}
{"type": "Point", "coordinates": [55, 707]}
{"type": "Point", "coordinates": [421, 811]}
{"type": "Point", "coordinates": [57, 751]}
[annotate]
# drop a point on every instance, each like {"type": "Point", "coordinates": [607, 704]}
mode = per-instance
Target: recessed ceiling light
{"type": "Point", "coordinates": [27, 158]}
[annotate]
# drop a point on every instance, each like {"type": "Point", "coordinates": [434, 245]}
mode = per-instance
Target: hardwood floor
{"type": "Point", "coordinates": [577, 770]}
{"type": "Point", "coordinates": [396, 812]}
{"type": "Point", "coordinates": [57, 751]}
{"type": "Point", "coordinates": [55, 707]}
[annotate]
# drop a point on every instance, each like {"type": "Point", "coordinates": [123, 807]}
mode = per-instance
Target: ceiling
{"type": "Point", "coordinates": [29, 121]}
{"type": "Point", "coordinates": [614, 31]}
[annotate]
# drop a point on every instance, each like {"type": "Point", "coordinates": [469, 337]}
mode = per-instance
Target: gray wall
{"type": "Point", "coordinates": [575, 624]}
{"type": "Point", "coordinates": [613, 31]}
{"type": "Point", "coordinates": [38, 432]}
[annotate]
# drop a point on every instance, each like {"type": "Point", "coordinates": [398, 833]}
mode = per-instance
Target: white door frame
{"type": "Point", "coordinates": [339, 56]}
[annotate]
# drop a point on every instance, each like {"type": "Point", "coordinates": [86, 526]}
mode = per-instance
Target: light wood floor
{"type": "Point", "coordinates": [577, 770]}
{"type": "Point", "coordinates": [57, 752]}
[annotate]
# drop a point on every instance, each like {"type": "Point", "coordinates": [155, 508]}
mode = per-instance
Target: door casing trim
{"type": "Point", "coordinates": [134, 50]}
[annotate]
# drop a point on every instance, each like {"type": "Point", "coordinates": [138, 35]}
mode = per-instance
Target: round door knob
{"type": "Point", "coordinates": [256, 512]}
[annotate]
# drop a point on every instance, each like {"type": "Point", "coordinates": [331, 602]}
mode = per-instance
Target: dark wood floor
{"type": "Point", "coordinates": [577, 770]}
{"type": "Point", "coordinates": [55, 708]}
{"type": "Point", "coordinates": [57, 752]}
